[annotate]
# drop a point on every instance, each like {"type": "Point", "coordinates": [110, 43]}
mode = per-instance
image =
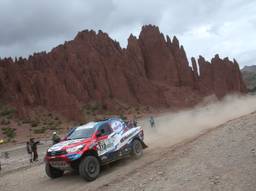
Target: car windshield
{"type": "Point", "coordinates": [82, 132]}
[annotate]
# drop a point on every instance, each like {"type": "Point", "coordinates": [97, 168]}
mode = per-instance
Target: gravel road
{"type": "Point", "coordinates": [221, 158]}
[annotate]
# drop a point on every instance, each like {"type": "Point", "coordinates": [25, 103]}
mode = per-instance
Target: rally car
{"type": "Point", "coordinates": [87, 147]}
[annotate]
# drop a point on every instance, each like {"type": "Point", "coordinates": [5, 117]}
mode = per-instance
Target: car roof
{"type": "Point", "coordinates": [87, 126]}
{"type": "Point", "coordinates": [97, 124]}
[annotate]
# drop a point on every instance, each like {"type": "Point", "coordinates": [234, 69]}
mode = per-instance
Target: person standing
{"type": "Point", "coordinates": [55, 138]}
{"type": "Point", "coordinates": [152, 122]}
{"type": "Point", "coordinates": [135, 123]}
{"type": "Point", "coordinates": [29, 150]}
{"type": "Point", "coordinates": [34, 144]}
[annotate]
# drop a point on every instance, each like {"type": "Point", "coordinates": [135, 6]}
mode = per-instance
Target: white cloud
{"type": "Point", "coordinates": [203, 27]}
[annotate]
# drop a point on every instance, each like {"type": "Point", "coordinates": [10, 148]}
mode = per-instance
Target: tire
{"type": "Point", "coordinates": [137, 149]}
{"type": "Point", "coordinates": [89, 168]}
{"type": "Point", "coordinates": [53, 172]}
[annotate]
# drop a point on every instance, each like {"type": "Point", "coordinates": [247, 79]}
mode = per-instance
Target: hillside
{"type": "Point", "coordinates": [92, 72]}
{"type": "Point", "coordinates": [249, 76]}
{"type": "Point", "coordinates": [205, 158]}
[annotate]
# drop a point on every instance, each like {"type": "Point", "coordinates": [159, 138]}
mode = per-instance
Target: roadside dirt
{"type": "Point", "coordinates": [191, 155]}
{"type": "Point", "coordinates": [221, 159]}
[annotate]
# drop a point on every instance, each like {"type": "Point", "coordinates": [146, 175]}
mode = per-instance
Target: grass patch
{"type": "Point", "coordinates": [34, 123]}
{"type": "Point", "coordinates": [26, 121]}
{"type": "Point", "coordinates": [40, 130]}
{"type": "Point", "coordinates": [5, 122]}
{"type": "Point", "coordinates": [6, 111]}
{"type": "Point", "coordinates": [10, 133]}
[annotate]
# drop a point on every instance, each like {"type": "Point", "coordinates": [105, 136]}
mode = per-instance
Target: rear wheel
{"type": "Point", "coordinates": [89, 168]}
{"type": "Point", "coordinates": [137, 149]}
{"type": "Point", "coordinates": [53, 172]}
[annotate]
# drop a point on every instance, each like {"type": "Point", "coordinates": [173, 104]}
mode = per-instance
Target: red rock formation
{"type": "Point", "coordinates": [220, 77]}
{"type": "Point", "coordinates": [150, 71]}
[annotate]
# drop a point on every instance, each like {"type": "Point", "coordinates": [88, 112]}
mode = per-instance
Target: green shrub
{"type": "Point", "coordinates": [10, 133]}
{"type": "Point", "coordinates": [34, 123]}
{"type": "Point", "coordinates": [39, 131]}
{"type": "Point", "coordinates": [123, 117]}
{"type": "Point", "coordinates": [26, 120]}
{"type": "Point", "coordinates": [5, 122]}
{"type": "Point", "coordinates": [6, 111]}
{"type": "Point", "coordinates": [9, 116]}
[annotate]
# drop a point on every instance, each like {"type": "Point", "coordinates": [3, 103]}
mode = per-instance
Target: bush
{"type": "Point", "coordinates": [123, 117]}
{"type": "Point", "coordinates": [10, 133]}
{"type": "Point", "coordinates": [5, 122]}
{"type": "Point", "coordinates": [39, 131]}
{"type": "Point", "coordinates": [34, 123]}
{"type": "Point", "coordinates": [7, 111]}
{"type": "Point", "coordinates": [27, 120]}
{"type": "Point", "coordinates": [9, 116]}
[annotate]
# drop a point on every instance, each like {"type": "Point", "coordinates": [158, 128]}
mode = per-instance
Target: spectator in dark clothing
{"type": "Point", "coordinates": [29, 150]}
{"type": "Point", "coordinates": [55, 138]}
{"type": "Point", "coordinates": [34, 144]}
{"type": "Point", "coordinates": [135, 122]}
{"type": "Point", "coordinates": [152, 122]}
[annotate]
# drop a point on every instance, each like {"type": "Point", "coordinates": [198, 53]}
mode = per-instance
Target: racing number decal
{"type": "Point", "coordinates": [102, 145]}
{"type": "Point", "coordinates": [105, 145]}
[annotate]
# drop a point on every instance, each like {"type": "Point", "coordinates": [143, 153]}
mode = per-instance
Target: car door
{"type": "Point", "coordinates": [105, 139]}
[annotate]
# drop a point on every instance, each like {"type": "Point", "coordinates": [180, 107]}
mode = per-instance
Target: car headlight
{"type": "Point", "coordinates": [75, 149]}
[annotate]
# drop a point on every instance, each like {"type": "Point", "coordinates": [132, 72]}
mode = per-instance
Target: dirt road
{"type": "Point", "coordinates": [186, 152]}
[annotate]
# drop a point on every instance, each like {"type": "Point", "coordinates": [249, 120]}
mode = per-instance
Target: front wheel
{"type": "Point", "coordinates": [137, 149]}
{"type": "Point", "coordinates": [53, 172]}
{"type": "Point", "coordinates": [89, 168]}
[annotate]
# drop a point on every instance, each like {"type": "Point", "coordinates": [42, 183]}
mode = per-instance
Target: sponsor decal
{"type": "Point", "coordinates": [117, 126]}
{"type": "Point", "coordinates": [129, 135]}
{"type": "Point", "coordinates": [105, 145]}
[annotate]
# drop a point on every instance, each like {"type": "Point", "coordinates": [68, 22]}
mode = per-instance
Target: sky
{"type": "Point", "coordinates": [204, 27]}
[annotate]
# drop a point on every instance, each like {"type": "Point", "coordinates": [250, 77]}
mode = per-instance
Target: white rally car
{"type": "Point", "coordinates": [92, 145]}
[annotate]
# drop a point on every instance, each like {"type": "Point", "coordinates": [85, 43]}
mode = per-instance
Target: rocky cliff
{"type": "Point", "coordinates": [249, 76]}
{"type": "Point", "coordinates": [152, 71]}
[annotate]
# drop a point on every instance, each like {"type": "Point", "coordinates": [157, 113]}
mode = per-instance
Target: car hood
{"type": "Point", "coordinates": [68, 143]}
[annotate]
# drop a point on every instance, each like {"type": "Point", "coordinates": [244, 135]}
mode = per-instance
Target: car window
{"type": "Point", "coordinates": [83, 131]}
{"type": "Point", "coordinates": [105, 129]}
{"type": "Point", "coordinates": [81, 134]}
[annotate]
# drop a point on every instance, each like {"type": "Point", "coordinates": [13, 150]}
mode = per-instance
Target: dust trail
{"type": "Point", "coordinates": [172, 128]}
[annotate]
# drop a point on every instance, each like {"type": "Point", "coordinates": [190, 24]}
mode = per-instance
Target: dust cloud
{"type": "Point", "coordinates": [172, 128]}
